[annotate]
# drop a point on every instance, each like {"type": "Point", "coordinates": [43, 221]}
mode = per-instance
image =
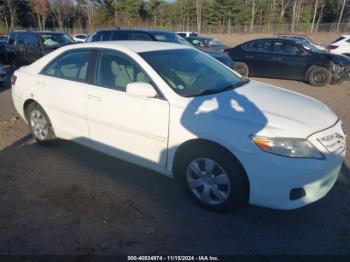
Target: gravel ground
{"type": "Point", "coordinates": [68, 199]}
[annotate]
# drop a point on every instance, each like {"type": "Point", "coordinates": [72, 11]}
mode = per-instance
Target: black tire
{"type": "Point", "coordinates": [319, 76]}
{"type": "Point", "coordinates": [241, 68]}
{"type": "Point", "coordinates": [238, 194]}
{"type": "Point", "coordinates": [50, 136]}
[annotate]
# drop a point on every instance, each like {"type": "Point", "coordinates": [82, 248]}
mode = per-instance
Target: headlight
{"type": "Point", "coordinates": [290, 147]}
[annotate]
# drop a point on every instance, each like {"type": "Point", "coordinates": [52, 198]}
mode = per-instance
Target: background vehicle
{"type": "Point", "coordinates": [288, 59]}
{"type": "Point", "coordinates": [340, 46]}
{"type": "Point", "coordinates": [152, 35]}
{"type": "Point", "coordinates": [173, 109]}
{"type": "Point", "coordinates": [3, 55]}
{"type": "Point", "coordinates": [186, 34]}
{"type": "Point", "coordinates": [80, 38]}
{"type": "Point", "coordinates": [300, 38]}
{"type": "Point", "coordinates": [23, 47]}
{"type": "Point", "coordinates": [206, 43]}
{"type": "Point", "coordinates": [5, 72]}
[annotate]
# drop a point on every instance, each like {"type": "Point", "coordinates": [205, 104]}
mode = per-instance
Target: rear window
{"type": "Point", "coordinates": [339, 39]}
{"type": "Point", "coordinates": [12, 39]}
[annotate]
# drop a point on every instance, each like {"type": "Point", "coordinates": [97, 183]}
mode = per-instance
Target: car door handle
{"type": "Point", "coordinates": [93, 97]}
{"type": "Point", "coordinates": [40, 84]}
{"type": "Point", "coordinates": [277, 58]}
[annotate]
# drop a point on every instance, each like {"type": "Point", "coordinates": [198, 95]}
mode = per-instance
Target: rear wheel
{"type": "Point", "coordinates": [319, 76]}
{"type": "Point", "coordinates": [40, 124]}
{"type": "Point", "coordinates": [241, 68]}
{"type": "Point", "coordinates": [213, 179]}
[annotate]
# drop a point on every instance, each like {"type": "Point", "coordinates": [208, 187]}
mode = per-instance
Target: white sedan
{"type": "Point", "coordinates": [340, 46]}
{"type": "Point", "coordinates": [178, 111]}
{"type": "Point", "coordinates": [80, 38]}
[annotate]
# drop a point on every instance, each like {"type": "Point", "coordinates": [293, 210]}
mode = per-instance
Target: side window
{"type": "Point", "coordinates": [72, 66]}
{"type": "Point", "coordinates": [105, 36]}
{"type": "Point", "coordinates": [21, 39]}
{"type": "Point", "coordinates": [116, 71]}
{"type": "Point", "coordinates": [286, 49]}
{"type": "Point", "coordinates": [32, 40]}
{"type": "Point", "coordinates": [260, 46]}
{"type": "Point", "coordinates": [120, 36]}
{"type": "Point", "coordinates": [141, 37]}
{"type": "Point", "coordinates": [12, 39]}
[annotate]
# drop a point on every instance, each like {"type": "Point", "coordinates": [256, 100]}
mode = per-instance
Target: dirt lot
{"type": "Point", "coordinates": [68, 199]}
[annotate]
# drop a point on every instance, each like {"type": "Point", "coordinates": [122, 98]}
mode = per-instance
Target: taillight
{"type": "Point", "coordinates": [226, 52]}
{"type": "Point", "coordinates": [332, 47]}
{"type": "Point", "coordinates": [13, 80]}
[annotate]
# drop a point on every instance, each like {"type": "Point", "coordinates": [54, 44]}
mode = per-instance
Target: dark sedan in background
{"type": "Point", "coordinates": [152, 35]}
{"type": "Point", "coordinates": [289, 59]}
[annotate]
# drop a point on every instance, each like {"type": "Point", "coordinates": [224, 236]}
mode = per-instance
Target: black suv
{"type": "Point", "coordinates": [23, 48]}
{"type": "Point", "coordinates": [289, 59]}
{"type": "Point", "coordinates": [151, 35]}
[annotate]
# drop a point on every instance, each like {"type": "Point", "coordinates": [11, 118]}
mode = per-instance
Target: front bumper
{"type": "Point", "coordinates": [274, 178]}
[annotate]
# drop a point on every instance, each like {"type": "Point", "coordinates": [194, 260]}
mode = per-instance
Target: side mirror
{"type": "Point", "coordinates": [141, 89]}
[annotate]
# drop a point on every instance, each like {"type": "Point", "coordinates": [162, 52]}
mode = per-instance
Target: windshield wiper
{"type": "Point", "coordinates": [204, 92]}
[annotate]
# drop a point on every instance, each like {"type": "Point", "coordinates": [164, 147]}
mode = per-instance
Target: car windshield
{"type": "Point", "coordinates": [191, 73]}
{"type": "Point", "coordinates": [52, 40]}
{"type": "Point", "coordinates": [308, 46]}
{"type": "Point", "coordinates": [171, 38]}
{"type": "Point", "coordinates": [215, 43]}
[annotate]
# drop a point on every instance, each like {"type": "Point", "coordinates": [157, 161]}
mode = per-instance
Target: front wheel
{"type": "Point", "coordinates": [214, 179]}
{"type": "Point", "coordinates": [40, 124]}
{"type": "Point", "coordinates": [319, 76]}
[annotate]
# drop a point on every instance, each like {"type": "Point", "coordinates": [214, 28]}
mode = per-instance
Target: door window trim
{"type": "Point", "coordinates": [94, 68]}
{"type": "Point", "coordinates": [288, 43]}
{"type": "Point", "coordinates": [78, 50]}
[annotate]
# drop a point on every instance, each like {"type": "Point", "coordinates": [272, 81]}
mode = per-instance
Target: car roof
{"type": "Point", "coordinates": [151, 31]}
{"type": "Point", "coordinates": [38, 32]}
{"type": "Point", "coordinates": [135, 46]}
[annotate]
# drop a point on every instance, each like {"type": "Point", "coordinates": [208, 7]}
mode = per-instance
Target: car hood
{"type": "Point", "coordinates": [268, 110]}
{"type": "Point", "coordinates": [340, 59]}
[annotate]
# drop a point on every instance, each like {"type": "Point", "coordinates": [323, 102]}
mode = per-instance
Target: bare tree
{"type": "Point", "coordinates": [314, 17]}
{"type": "Point", "coordinates": [4, 16]}
{"type": "Point", "coordinates": [341, 15]}
{"type": "Point", "coordinates": [284, 5]}
{"type": "Point", "coordinates": [199, 6]}
{"type": "Point", "coordinates": [254, 8]}
{"type": "Point", "coordinates": [320, 16]}
{"type": "Point", "coordinates": [42, 10]}
{"type": "Point", "coordinates": [12, 7]}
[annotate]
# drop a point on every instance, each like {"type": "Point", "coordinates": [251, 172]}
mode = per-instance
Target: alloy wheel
{"type": "Point", "coordinates": [39, 125]}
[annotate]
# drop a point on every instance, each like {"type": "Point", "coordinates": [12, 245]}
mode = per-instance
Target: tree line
{"type": "Point", "coordinates": [179, 14]}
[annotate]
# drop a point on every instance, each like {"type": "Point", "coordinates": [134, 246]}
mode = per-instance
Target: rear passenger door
{"type": "Point", "coordinates": [61, 90]}
{"type": "Point", "coordinates": [258, 57]}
